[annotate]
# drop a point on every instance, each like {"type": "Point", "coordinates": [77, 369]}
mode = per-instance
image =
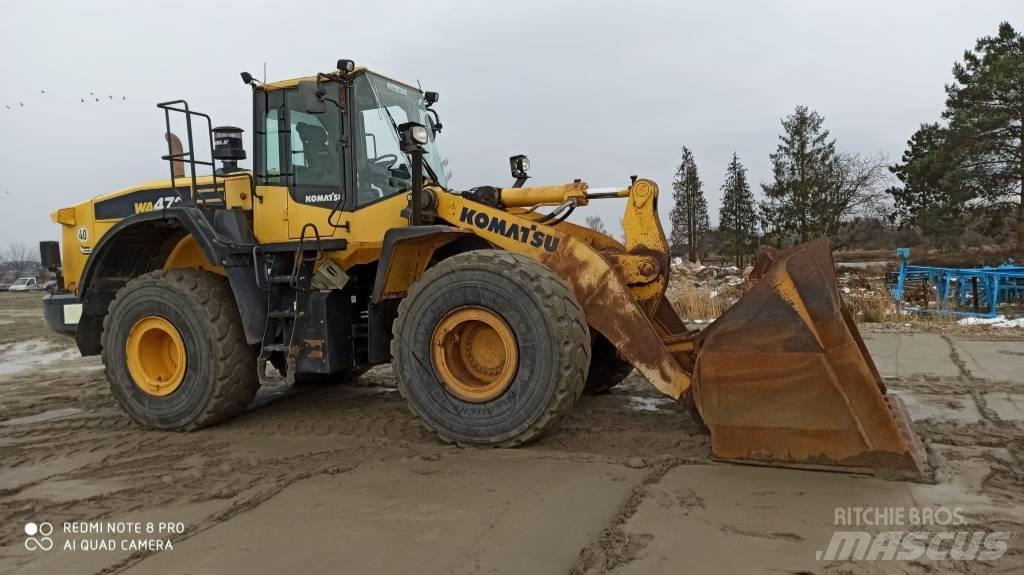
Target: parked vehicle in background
{"type": "Point", "coordinates": [5, 287]}
{"type": "Point", "coordinates": [24, 284]}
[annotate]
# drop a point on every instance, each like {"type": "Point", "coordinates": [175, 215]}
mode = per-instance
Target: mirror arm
{"type": "Point", "coordinates": [437, 120]}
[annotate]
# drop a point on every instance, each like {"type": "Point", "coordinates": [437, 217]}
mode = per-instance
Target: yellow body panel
{"type": "Point", "coordinates": [188, 254]}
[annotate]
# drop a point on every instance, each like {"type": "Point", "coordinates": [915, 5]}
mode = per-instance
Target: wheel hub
{"type": "Point", "coordinates": [156, 356]}
{"type": "Point", "coordinates": [474, 353]}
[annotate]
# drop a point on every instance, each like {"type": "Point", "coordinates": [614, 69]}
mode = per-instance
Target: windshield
{"type": "Point", "coordinates": [382, 168]}
{"type": "Point", "coordinates": [21, 281]}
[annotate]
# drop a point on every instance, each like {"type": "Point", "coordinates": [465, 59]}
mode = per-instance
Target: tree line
{"type": "Point", "coordinates": [816, 190]}
{"type": "Point", "coordinates": [958, 183]}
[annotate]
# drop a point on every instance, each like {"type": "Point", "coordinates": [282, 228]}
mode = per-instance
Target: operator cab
{"type": "Point", "coordinates": [334, 139]}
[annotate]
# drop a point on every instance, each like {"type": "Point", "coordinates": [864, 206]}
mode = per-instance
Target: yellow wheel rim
{"type": "Point", "coordinates": [156, 356]}
{"type": "Point", "coordinates": [475, 354]}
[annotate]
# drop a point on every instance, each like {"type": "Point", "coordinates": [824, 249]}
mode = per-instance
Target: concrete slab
{"type": "Point", "coordinates": [1008, 406]}
{"type": "Point", "coordinates": [730, 519]}
{"type": "Point", "coordinates": [956, 409]}
{"type": "Point", "coordinates": [461, 514]}
{"type": "Point", "coordinates": [702, 516]}
{"type": "Point", "coordinates": [906, 355]}
{"type": "Point", "coordinates": [995, 359]}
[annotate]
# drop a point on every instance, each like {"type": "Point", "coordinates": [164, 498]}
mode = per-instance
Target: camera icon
{"type": "Point", "coordinates": [37, 536]}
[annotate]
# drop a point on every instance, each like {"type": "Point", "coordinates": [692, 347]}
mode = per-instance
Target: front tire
{"type": "Point", "coordinates": [175, 352]}
{"type": "Point", "coordinates": [607, 369]}
{"type": "Point", "coordinates": [490, 348]}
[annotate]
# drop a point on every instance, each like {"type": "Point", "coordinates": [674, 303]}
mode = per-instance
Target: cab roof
{"type": "Point", "coordinates": [285, 84]}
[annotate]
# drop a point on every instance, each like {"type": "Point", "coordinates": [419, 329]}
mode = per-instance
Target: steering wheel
{"type": "Point", "coordinates": [386, 161]}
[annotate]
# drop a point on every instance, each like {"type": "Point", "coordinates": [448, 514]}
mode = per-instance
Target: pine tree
{"type": "Point", "coordinates": [737, 217]}
{"type": "Point", "coordinates": [985, 109]}
{"type": "Point", "coordinates": [802, 166]}
{"type": "Point", "coordinates": [689, 217]}
{"type": "Point", "coordinates": [934, 193]}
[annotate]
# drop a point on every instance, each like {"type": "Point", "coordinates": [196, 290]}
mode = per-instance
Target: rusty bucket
{"type": "Point", "coordinates": [783, 377]}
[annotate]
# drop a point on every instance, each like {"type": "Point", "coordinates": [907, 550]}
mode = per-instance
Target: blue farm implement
{"type": "Point", "coordinates": [968, 292]}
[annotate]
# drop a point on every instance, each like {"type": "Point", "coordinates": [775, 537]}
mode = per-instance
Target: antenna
{"type": "Point", "coordinates": [264, 72]}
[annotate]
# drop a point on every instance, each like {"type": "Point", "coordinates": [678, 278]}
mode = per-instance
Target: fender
{"type": "Point", "coordinates": [139, 244]}
{"type": "Point", "coordinates": [404, 256]}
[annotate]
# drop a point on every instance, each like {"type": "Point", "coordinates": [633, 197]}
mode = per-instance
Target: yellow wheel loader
{"type": "Point", "coordinates": [344, 247]}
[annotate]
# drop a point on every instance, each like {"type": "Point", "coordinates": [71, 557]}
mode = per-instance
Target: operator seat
{"type": "Point", "coordinates": [321, 160]}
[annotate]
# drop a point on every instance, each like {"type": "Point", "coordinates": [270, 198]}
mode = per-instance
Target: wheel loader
{"type": "Point", "coordinates": [345, 247]}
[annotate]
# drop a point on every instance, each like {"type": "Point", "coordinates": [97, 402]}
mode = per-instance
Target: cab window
{"type": "Point", "coordinates": [296, 148]}
{"type": "Point", "coordinates": [382, 170]}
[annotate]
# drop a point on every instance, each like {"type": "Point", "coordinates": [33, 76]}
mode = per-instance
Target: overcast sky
{"type": "Point", "coordinates": [587, 89]}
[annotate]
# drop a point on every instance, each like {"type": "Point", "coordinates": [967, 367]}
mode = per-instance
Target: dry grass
{"type": "Point", "coordinates": [702, 303]}
{"type": "Point", "coordinates": [865, 294]}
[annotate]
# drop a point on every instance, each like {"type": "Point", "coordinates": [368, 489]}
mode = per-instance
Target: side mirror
{"type": "Point", "coordinates": [49, 255]}
{"type": "Point", "coordinates": [313, 97]}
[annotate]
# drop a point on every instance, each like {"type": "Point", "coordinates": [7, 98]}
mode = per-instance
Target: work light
{"type": "Point", "coordinates": [413, 134]}
{"type": "Point", "coordinates": [520, 165]}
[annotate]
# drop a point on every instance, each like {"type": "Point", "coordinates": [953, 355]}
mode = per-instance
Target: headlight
{"type": "Point", "coordinates": [520, 165]}
{"type": "Point", "coordinates": [413, 135]}
{"type": "Point", "coordinates": [419, 134]}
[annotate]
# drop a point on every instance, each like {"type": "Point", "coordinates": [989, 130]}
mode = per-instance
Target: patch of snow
{"type": "Point", "coordinates": [998, 321]}
{"type": "Point", "coordinates": [648, 404]}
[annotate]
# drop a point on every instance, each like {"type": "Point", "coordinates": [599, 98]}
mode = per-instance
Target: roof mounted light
{"type": "Point", "coordinates": [346, 66]}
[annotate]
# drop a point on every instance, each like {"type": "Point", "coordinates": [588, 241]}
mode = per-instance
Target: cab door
{"type": "Point", "coordinates": [300, 165]}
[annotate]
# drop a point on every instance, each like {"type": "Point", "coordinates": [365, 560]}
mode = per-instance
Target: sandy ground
{"type": "Point", "coordinates": [342, 479]}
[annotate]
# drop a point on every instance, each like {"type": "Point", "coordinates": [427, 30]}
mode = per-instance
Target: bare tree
{"type": "Point", "coordinates": [597, 224]}
{"type": "Point", "coordinates": [855, 187]}
{"type": "Point", "coordinates": [19, 257]}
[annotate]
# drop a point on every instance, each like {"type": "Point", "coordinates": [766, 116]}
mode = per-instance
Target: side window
{"type": "Point", "coordinates": [315, 142]}
{"type": "Point", "coordinates": [272, 148]}
{"type": "Point", "coordinates": [271, 165]}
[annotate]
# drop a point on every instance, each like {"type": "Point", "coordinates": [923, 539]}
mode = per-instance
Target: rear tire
{"type": "Point", "coordinates": [607, 369]}
{"type": "Point", "coordinates": [220, 376]}
{"type": "Point", "coordinates": [551, 348]}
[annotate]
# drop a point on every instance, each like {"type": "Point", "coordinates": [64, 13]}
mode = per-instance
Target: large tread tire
{"type": "Point", "coordinates": [551, 334]}
{"type": "Point", "coordinates": [607, 369]}
{"type": "Point", "coordinates": [221, 376]}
